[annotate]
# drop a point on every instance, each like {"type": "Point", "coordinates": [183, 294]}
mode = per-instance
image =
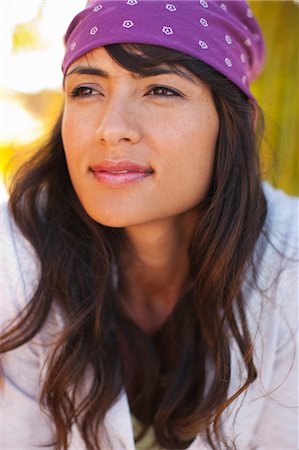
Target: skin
{"type": "Point", "coordinates": [126, 117]}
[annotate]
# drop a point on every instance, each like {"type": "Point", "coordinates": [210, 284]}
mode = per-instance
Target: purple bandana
{"type": "Point", "coordinates": [223, 34]}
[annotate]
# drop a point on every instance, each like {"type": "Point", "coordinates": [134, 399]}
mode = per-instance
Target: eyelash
{"type": "Point", "coordinates": [168, 90]}
{"type": "Point", "coordinates": [78, 92]}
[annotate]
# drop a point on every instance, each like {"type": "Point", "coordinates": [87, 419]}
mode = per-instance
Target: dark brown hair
{"type": "Point", "coordinates": [165, 377]}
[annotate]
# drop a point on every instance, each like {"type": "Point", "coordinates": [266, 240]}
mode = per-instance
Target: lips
{"type": "Point", "coordinates": [120, 173]}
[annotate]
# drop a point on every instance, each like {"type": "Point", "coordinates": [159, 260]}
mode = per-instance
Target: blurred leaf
{"type": "Point", "coordinates": [25, 37]}
{"type": "Point", "coordinates": [277, 92]}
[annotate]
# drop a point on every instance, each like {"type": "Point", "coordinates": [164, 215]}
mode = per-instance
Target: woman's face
{"type": "Point", "coordinates": [138, 149]}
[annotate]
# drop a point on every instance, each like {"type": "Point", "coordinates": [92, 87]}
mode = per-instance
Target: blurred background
{"type": "Point", "coordinates": [31, 51]}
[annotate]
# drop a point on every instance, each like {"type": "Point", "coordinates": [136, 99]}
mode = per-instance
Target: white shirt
{"type": "Point", "coordinates": [267, 415]}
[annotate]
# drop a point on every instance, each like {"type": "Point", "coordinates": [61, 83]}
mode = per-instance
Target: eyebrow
{"type": "Point", "coordinates": [96, 71]}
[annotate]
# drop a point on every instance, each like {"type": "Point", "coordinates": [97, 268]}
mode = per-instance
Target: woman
{"type": "Point", "coordinates": [151, 272]}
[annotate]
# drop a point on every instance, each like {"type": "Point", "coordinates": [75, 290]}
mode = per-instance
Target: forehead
{"type": "Point", "coordinates": [98, 56]}
{"type": "Point", "coordinates": [101, 63]}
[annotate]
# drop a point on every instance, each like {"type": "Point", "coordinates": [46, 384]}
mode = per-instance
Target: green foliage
{"type": "Point", "coordinates": [277, 92]}
{"type": "Point", "coordinates": [25, 37]}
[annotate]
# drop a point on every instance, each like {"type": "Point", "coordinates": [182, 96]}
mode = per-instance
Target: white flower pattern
{"type": "Point", "coordinates": [249, 13]}
{"type": "Point", "coordinates": [167, 30]}
{"type": "Point", "coordinates": [132, 2]}
{"type": "Point", "coordinates": [97, 8]}
{"type": "Point", "coordinates": [257, 37]}
{"type": "Point", "coordinates": [170, 7]}
{"type": "Point", "coordinates": [93, 31]}
{"type": "Point", "coordinates": [203, 3]}
{"type": "Point", "coordinates": [223, 7]}
{"type": "Point", "coordinates": [228, 39]}
{"type": "Point", "coordinates": [203, 44]}
{"type": "Point", "coordinates": [204, 22]}
{"type": "Point", "coordinates": [128, 23]}
{"type": "Point", "coordinates": [228, 62]}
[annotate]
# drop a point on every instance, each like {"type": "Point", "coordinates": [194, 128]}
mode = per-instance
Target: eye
{"type": "Point", "coordinates": [163, 91]}
{"type": "Point", "coordinates": [83, 92]}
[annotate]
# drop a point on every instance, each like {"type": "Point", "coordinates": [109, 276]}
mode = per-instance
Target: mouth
{"type": "Point", "coordinates": [120, 173]}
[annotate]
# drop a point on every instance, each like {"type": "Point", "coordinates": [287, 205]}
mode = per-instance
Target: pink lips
{"type": "Point", "coordinates": [120, 173]}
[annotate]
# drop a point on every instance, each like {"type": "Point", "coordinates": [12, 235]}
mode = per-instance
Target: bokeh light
{"type": "Point", "coordinates": [31, 51]}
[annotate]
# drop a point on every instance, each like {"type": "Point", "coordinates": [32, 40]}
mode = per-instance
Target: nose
{"type": "Point", "coordinates": [118, 123]}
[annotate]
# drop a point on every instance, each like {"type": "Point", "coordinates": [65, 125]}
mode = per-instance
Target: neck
{"type": "Point", "coordinates": [155, 269]}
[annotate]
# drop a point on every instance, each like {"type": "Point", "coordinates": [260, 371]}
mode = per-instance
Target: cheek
{"type": "Point", "coordinates": [69, 134]}
{"type": "Point", "coordinates": [203, 143]}
{"type": "Point", "coordinates": [72, 144]}
{"type": "Point", "coordinates": [72, 131]}
{"type": "Point", "coordinates": [190, 161]}
{"type": "Point", "coordinates": [192, 152]}
{"type": "Point", "coordinates": [75, 137]}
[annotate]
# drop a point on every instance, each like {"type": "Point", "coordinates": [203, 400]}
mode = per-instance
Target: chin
{"type": "Point", "coordinates": [112, 220]}
{"type": "Point", "coordinates": [108, 221]}
{"type": "Point", "coordinates": [116, 213]}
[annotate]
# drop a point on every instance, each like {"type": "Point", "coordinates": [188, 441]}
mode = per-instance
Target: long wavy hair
{"type": "Point", "coordinates": [177, 380]}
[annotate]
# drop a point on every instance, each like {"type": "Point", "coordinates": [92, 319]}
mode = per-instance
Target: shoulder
{"type": "Point", "coordinates": [274, 291]}
{"type": "Point", "coordinates": [282, 220]}
{"type": "Point", "coordinates": [276, 252]}
{"type": "Point", "coordinates": [271, 301]}
{"type": "Point", "coordinates": [19, 267]}
{"type": "Point", "coordinates": [271, 287]}
{"type": "Point", "coordinates": [280, 261]}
